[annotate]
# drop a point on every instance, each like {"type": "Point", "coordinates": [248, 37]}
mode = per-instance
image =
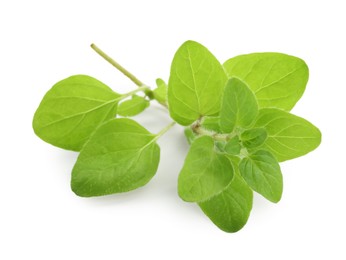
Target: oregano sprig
{"type": "Point", "coordinates": [236, 118]}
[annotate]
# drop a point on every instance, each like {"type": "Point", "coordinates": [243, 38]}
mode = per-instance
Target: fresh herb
{"type": "Point", "coordinates": [236, 118]}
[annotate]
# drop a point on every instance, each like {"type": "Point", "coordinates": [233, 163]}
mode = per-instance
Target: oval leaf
{"type": "Point", "coordinates": [72, 109]}
{"type": "Point", "coordinates": [160, 93]}
{"type": "Point", "coordinates": [205, 173]}
{"type": "Point", "coordinates": [233, 147]}
{"type": "Point", "coordinates": [211, 123]}
{"type": "Point", "coordinates": [289, 136]}
{"type": "Point", "coordinates": [196, 83]}
{"type": "Point", "coordinates": [133, 106]}
{"type": "Point", "coordinates": [120, 156]}
{"type": "Point", "coordinates": [189, 134]}
{"type": "Point", "coordinates": [239, 106]}
{"type": "Point", "coordinates": [262, 173]}
{"type": "Point", "coordinates": [278, 80]}
{"type": "Point", "coordinates": [230, 209]}
{"type": "Point", "coordinates": [253, 138]}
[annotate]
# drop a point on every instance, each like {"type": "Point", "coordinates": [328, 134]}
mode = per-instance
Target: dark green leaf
{"type": "Point", "coordinates": [253, 138]}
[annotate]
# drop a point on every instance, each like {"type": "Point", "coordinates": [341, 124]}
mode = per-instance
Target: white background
{"type": "Point", "coordinates": [42, 42]}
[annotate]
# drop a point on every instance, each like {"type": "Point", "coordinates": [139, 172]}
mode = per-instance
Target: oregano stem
{"type": "Point", "coordinates": [128, 74]}
{"type": "Point", "coordinates": [128, 94]}
{"type": "Point", "coordinates": [164, 130]}
{"type": "Point", "coordinates": [199, 130]}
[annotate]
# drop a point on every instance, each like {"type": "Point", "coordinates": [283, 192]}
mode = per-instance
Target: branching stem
{"type": "Point", "coordinates": [198, 129]}
{"type": "Point", "coordinates": [128, 74]}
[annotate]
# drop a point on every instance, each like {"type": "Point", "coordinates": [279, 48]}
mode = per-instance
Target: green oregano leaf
{"type": "Point", "coordinates": [120, 156]}
{"type": "Point", "coordinates": [189, 134]}
{"type": "Point", "coordinates": [278, 80]}
{"type": "Point", "coordinates": [211, 123]}
{"type": "Point", "coordinates": [205, 172]}
{"type": "Point", "coordinates": [239, 106]}
{"type": "Point", "coordinates": [262, 173]}
{"type": "Point", "coordinates": [133, 106]}
{"type": "Point", "coordinates": [160, 93]}
{"type": "Point", "coordinates": [72, 109]}
{"type": "Point", "coordinates": [230, 209]}
{"type": "Point", "coordinates": [233, 147]}
{"type": "Point", "coordinates": [195, 85]}
{"type": "Point", "coordinates": [253, 138]}
{"type": "Point", "coordinates": [289, 136]}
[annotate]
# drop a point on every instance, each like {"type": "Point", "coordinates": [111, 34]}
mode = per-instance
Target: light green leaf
{"type": "Point", "coordinates": [196, 83]}
{"type": "Point", "coordinates": [233, 146]}
{"type": "Point", "coordinates": [220, 146]}
{"type": "Point", "coordinates": [120, 156]}
{"type": "Point", "coordinates": [160, 93]}
{"type": "Point", "coordinates": [253, 138]}
{"type": "Point", "coordinates": [72, 109]}
{"type": "Point", "coordinates": [205, 172]}
{"type": "Point", "coordinates": [262, 173]}
{"type": "Point", "coordinates": [211, 123]}
{"type": "Point", "coordinates": [133, 106]}
{"type": "Point", "coordinates": [189, 134]}
{"type": "Point", "coordinates": [239, 106]}
{"type": "Point", "coordinates": [278, 80]}
{"type": "Point", "coordinates": [230, 209]}
{"type": "Point", "coordinates": [289, 136]}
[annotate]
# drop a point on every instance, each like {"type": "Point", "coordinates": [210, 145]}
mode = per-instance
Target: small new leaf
{"type": "Point", "coordinates": [289, 136]}
{"type": "Point", "coordinates": [133, 106]}
{"type": "Point", "coordinates": [233, 147]}
{"type": "Point", "coordinates": [230, 209]}
{"type": "Point", "coordinates": [189, 134]}
{"type": "Point", "coordinates": [211, 123]}
{"type": "Point", "coordinates": [72, 109]}
{"type": "Point", "coordinates": [195, 85]}
{"type": "Point", "coordinates": [160, 93]}
{"type": "Point", "coordinates": [239, 106]}
{"type": "Point", "coordinates": [262, 173]}
{"type": "Point", "coordinates": [278, 80]}
{"type": "Point", "coordinates": [120, 156]}
{"type": "Point", "coordinates": [205, 172]}
{"type": "Point", "coordinates": [253, 138]}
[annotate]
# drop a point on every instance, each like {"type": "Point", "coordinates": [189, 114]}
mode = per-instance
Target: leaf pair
{"type": "Point", "coordinates": [116, 155]}
{"type": "Point", "coordinates": [74, 107]}
{"type": "Point", "coordinates": [197, 80]}
{"type": "Point", "coordinates": [210, 179]}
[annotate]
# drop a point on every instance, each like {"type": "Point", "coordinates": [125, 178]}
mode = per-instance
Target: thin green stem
{"type": "Point", "coordinates": [199, 130]}
{"type": "Point", "coordinates": [128, 74]}
{"type": "Point", "coordinates": [128, 94]}
{"type": "Point", "coordinates": [164, 130]}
